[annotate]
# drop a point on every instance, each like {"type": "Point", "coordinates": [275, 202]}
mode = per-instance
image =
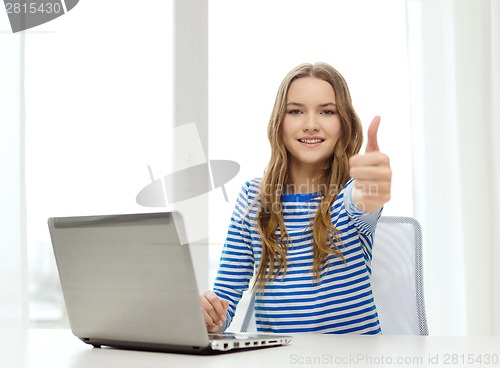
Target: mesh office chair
{"type": "Point", "coordinates": [396, 278]}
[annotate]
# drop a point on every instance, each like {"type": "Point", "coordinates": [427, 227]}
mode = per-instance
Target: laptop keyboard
{"type": "Point", "coordinates": [222, 337]}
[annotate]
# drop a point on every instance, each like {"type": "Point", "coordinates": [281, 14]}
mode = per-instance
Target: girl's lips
{"type": "Point", "coordinates": [311, 141]}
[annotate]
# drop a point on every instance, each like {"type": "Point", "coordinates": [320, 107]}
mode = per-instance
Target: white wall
{"type": "Point", "coordinates": [364, 39]}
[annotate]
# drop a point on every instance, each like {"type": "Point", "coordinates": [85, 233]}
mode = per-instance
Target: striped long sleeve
{"type": "Point", "coordinates": [341, 301]}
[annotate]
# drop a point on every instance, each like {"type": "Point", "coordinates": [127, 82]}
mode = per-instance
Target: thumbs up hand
{"type": "Point", "coordinates": [372, 174]}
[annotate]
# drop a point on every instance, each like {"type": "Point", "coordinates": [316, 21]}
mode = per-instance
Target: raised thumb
{"type": "Point", "coordinates": [372, 144]}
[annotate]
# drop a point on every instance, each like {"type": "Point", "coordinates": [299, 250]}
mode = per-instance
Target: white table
{"type": "Point", "coordinates": [59, 348]}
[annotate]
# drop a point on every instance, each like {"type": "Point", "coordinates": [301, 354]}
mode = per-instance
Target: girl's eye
{"type": "Point", "coordinates": [328, 112]}
{"type": "Point", "coordinates": [294, 112]}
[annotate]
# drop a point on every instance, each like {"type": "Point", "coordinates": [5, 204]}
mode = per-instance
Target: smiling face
{"type": "Point", "coordinates": [311, 126]}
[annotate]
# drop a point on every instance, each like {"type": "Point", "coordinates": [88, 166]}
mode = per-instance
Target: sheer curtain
{"type": "Point", "coordinates": [13, 279]}
{"type": "Point", "coordinates": [455, 82]}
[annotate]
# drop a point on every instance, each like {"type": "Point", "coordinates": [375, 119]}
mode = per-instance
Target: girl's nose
{"type": "Point", "coordinates": [310, 123]}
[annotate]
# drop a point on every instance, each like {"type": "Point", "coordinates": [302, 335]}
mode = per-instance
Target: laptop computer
{"type": "Point", "coordinates": [129, 282]}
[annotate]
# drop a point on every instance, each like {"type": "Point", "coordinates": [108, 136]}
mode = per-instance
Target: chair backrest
{"type": "Point", "coordinates": [397, 278]}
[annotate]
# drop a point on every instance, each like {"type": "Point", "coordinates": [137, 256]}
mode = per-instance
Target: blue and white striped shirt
{"type": "Point", "coordinates": [340, 302]}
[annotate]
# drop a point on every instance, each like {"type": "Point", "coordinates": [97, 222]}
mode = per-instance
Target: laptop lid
{"type": "Point", "coordinates": [128, 281]}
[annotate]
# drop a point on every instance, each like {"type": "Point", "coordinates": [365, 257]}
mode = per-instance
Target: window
{"type": "Point", "coordinates": [98, 112]}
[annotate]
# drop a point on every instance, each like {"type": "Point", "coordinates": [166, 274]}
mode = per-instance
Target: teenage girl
{"type": "Point", "coordinates": [306, 227]}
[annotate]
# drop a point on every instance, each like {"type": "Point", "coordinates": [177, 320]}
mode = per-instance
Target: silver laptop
{"type": "Point", "coordinates": [128, 282]}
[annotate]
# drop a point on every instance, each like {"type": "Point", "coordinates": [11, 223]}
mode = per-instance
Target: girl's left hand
{"type": "Point", "coordinates": [372, 174]}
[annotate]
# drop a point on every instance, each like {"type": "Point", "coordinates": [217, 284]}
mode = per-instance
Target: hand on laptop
{"type": "Point", "coordinates": [214, 311]}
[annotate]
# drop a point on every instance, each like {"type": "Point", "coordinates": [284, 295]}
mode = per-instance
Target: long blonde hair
{"type": "Point", "coordinates": [269, 219]}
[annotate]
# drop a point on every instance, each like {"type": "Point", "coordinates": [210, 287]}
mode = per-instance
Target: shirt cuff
{"type": "Point", "coordinates": [370, 218]}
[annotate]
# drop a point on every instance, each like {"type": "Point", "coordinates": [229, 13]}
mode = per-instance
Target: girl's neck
{"type": "Point", "coordinates": [303, 180]}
